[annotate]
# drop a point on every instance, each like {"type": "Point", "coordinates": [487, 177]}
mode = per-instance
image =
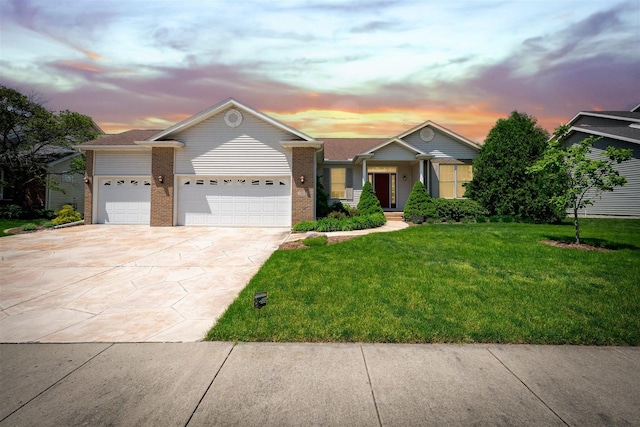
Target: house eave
{"type": "Point", "coordinates": [96, 147]}
{"type": "Point", "coordinates": [302, 144]}
{"type": "Point", "coordinates": [603, 134]}
{"type": "Point", "coordinates": [160, 144]}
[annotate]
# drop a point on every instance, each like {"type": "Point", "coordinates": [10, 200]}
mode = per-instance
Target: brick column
{"type": "Point", "coordinates": [303, 195]}
{"type": "Point", "coordinates": [162, 192]}
{"type": "Point", "coordinates": [88, 188]}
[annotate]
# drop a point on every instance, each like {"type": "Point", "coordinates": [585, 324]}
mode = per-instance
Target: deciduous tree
{"type": "Point", "coordinates": [29, 133]}
{"type": "Point", "coordinates": [587, 175]}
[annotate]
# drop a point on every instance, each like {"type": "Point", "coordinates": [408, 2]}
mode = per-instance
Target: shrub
{"type": "Point", "coordinates": [29, 227]}
{"type": "Point", "coordinates": [10, 212]}
{"type": "Point", "coordinates": [47, 224]}
{"type": "Point", "coordinates": [500, 181]}
{"type": "Point", "coordinates": [457, 209]}
{"type": "Point", "coordinates": [322, 199]}
{"type": "Point", "coordinates": [325, 225]}
{"type": "Point", "coordinates": [305, 226]}
{"type": "Point", "coordinates": [337, 215]}
{"type": "Point", "coordinates": [315, 241]}
{"type": "Point", "coordinates": [369, 203]}
{"type": "Point", "coordinates": [66, 214]}
{"type": "Point", "coordinates": [419, 205]}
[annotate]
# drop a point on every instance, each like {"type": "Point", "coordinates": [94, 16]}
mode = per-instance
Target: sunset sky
{"type": "Point", "coordinates": [327, 68]}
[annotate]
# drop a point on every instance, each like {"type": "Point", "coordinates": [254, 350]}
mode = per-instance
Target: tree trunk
{"type": "Point", "coordinates": [576, 224]}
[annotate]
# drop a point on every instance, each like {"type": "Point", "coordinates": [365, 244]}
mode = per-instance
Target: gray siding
{"type": "Point", "coordinates": [124, 163]}
{"type": "Point", "coordinates": [252, 148]}
{"type": "Point", "coordinates": [623, 201]}
{"type": "Point", "coordinates": [394, 152]}
{"type": "Point", "coordinates": [441, 146]}
{"type": "Point", "coordinates": [72, 184]}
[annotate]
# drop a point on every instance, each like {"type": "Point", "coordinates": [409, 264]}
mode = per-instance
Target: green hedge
{"type": "Point", "coordinates": [324, 225]}
{"type": "Point", "coordinates": [420, 208]}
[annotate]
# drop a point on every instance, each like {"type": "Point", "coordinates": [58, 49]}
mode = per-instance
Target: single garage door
{"type": "Point", "coordinates": [124, 200]}
{"type": "Point", "coordinates": [234, 201]}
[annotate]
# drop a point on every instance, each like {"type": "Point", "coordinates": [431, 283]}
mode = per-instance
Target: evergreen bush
{"type": "Point", "coordinates": [420, 205]}
{"type": "Point", "coordinates": [322, 199]}
{"type": "Point", "coordinates": [369, 203]}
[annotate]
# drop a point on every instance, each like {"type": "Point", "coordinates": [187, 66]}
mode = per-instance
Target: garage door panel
{"type": "Point", "coordinates": [124, 200]}
{"type": "Point", "coordinates": [244, 201]}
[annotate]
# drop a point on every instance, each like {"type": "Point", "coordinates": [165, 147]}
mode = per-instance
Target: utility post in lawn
{"type": "Point", "coordinates": [586, 175]}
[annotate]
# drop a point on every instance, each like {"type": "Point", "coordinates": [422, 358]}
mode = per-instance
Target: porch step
{"type": "Point", "coordinates": [393, 216]}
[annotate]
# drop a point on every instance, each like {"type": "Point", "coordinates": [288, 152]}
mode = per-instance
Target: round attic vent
{"type": "Point", "coordinates": [426, 134]}
{"type": "Point", "coordinates": [233, 118]}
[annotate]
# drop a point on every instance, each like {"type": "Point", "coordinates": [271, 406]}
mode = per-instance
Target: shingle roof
{"type": "Point", "coordinates": [124, 138]}
{"type": "Point", "coordinates": [620, 114]}
{"type": "Point", "coordinates": [348, 148]}
{"type": "Point", "coordinates": [627, 132]}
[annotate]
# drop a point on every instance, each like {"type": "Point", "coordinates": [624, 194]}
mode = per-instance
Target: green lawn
{"type": "Point", "coordinates": [11, 223]}
{"type": "Point", "coordinates": [450, 283]}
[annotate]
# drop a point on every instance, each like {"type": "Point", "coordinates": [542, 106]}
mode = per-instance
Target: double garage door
{"type": "Point", "coordinates": [210, 200]}
{"type": "Point", "coordinates": [234, 201]}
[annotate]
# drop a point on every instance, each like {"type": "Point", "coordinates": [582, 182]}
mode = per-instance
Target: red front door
{"type": "Point", "coordinates": [381, 185]}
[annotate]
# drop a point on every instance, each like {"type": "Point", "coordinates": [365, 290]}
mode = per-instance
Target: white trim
{"type": "Point", "coordinates": [398, 141]}
{"type": "Point", "coordinates": [604, 134]}
{"type": "Point", "coordinates": [112, 148]}
{"type": "Point", "coordinates": [442, 129]}
{"type": "Point", "coordinates": [212, 111]}
{"type": "Point", "coordinates": [302, 144]}
{"type": "Point", "coordinates": [162, 144]}
{"type": "Point", "coordinates": [604, 116]}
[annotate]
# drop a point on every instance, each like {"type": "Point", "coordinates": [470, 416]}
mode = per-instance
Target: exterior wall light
{"type": "Point", "coordinates": [86, 179]}
{"type": "Point", "coordinates": [301, 179]}
{"type": "Point", "coordinates": [160, 179]}
{"type": "Point", "coordinates": [404, 177]}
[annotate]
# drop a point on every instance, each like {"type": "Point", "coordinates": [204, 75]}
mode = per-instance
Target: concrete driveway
{"type": "Point", "coordinates": [98, 283]}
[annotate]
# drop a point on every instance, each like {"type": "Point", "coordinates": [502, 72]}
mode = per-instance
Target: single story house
{"type": "Point", "coordinates": [620, 129]}
{"type": "Point", "coordinates": [231, 165]}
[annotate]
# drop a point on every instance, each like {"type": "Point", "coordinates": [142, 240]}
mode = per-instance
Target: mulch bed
{"type": "Point", "coordinates": [573, 245]}
{"type": "Point", "coordinates": [298, 243]}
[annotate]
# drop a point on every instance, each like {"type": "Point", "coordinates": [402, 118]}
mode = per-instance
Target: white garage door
{"type": "Point", "coordinates": [124, 200]}
{"type": "Point", "coordinates": [233, 201]}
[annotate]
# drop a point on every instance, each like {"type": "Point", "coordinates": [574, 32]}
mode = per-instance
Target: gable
{"type": "Point", "coordinates": [442, 145]}
{"type": "Point", "coordinates": [394, 150]}
{"type": "Point", "coordinates": [233, 142]}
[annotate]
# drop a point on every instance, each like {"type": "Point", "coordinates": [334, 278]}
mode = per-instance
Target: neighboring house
{"type": "Point", "coordinates": [71, 184]}
{"type": "Point", "coordinates": [231, 165]}
{"type": "Point", "coordinates": [65, 187]}
{"type": "Point", "coordinates": [620, 129]}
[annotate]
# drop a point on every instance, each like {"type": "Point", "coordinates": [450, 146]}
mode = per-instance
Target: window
{"type": "Point", "coordinates": [452, 178]}
{"type": "Point", "coordinates": [338, 183]}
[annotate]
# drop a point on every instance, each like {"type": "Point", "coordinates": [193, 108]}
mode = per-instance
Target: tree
{"type": "Point", "coordinates": [586, 175]}
{"type": "Point", "coordinates": [29, 135]}
{"type": "Point", "coordinates": [500, 182]}
{"type": "Point", "coordinates": [369, 203]}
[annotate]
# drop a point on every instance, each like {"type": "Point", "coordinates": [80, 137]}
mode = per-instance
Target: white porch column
{"type": "Point", "coordinates": [364, 171]}
{"type": "Point", "coordinates": [421, 171]}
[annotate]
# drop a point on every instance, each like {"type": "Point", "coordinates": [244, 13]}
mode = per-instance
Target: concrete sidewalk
{"type": "Point", "coordinates": [272, 384]}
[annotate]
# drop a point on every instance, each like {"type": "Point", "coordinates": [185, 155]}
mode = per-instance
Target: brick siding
{"type": "Point", "coordinates": [88, 189]}
{"type": "Point", "coordinates": [303, 195]}
{"type": "Point", "coordinates": [162, 192]}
